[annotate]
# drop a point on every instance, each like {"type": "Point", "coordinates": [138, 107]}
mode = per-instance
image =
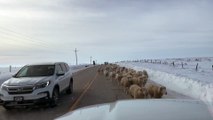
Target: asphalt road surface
{"type": "Point", "coordinates": [90, 88]}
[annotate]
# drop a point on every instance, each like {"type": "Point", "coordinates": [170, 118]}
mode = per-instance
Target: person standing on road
{"type": "Point", "coordinates": [173, 63]}
{"type": "Point", "coordinates": [196, 67]}
{"type": "Point", "coordinates": [182, 64]}
{"type": "Point", "coordinates": [93, 62]}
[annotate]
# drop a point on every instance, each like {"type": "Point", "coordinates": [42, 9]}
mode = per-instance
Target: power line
{"type": "Point", "coordinates": [16, 36]}
{"type": "Point", "coordinates": [24, 37]}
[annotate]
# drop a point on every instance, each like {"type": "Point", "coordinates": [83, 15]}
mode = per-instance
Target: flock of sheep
{"type": "Point", "coordinates": [133, 82]}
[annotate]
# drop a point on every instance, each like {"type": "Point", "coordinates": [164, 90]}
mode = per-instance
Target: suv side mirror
{"type": "Point", "coordinates": [14, 75]}
{"type": "Point", "coordinates": [60, 73]}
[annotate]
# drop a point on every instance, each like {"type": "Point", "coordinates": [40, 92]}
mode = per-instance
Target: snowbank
{"type": "Point", "coordinates": [184, 85]}
{"type": "Point", "coordinates": [5, 76]}
{"type": "Point", "coordinates": [76, 68]}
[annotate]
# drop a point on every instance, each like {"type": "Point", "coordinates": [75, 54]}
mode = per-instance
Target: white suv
{"type": "Point", "coordinates": [37, 83]}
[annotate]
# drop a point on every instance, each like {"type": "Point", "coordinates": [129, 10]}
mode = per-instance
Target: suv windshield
{"type": "Point", "coordinates": [36, 70]}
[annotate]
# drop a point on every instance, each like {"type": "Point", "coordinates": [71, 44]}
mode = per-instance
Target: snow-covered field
{"type": "Point", "coordinates": [184, 79]}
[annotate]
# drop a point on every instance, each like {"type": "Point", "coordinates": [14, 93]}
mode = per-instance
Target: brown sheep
{"type": "Point", "coordinates": [127, 75]}
{"type": "Point", "coordinates": [143, 80]}
{"type": "Point", "coordinates": [138, 92]}
{"type": "Point", "coordinates": [137, 81]}
{"type": "Point", "coordinates": [156, 91]}
{"type": "Point", "coordinates": [145, 73]}
{"type": "Point", "coordinates": [107, 67]}
{"type": "Point", "coordinates": [139, 73]}
{"type": "Point", "coordinates": [122, 69]}
{"type": "Point", "coordinates": [100, 70]}
{"type": "Point", "coordinates": [126, 83]}
{"type": "Point", "coordinates": [118, 70]}
{"type": "Point", "coordinates": [131, 72]}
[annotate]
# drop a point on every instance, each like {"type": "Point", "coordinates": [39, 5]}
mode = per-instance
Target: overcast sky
{"type": "Point", "coordinates": [108, 30]}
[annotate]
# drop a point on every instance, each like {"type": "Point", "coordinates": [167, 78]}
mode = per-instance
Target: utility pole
{"type": "Point", "coordinates": [76, 56]}
{"type": "Point", "coordinates": [90, 59]}
{"type": "Point", "coordinates": [10, 68]}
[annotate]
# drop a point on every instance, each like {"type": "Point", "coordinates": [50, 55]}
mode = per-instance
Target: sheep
{"type": "Point", "coordinates": [114, 68]}
{"type": "Point", "coordinates": [156, 91]}
{"type": "Point", "coordinates": [107, 67]}
{"type": "Point", "coordinates": [143, 80]}
{"type": "Point", "coordinates": [106, 73]}
{"type": "Point", "coordinates": [122, 69]}
{"type": "Point", "coordinates": [131, 71]}
{"type": "Point", "coordinates": [118, 70]}
{"type": "Point", "coordinates": [137, 81]}
{"type": "Point", "coordinates": [118, 77]}
{"type": "Point", "coordinates": [112, 75]}
{"type": "Point", "coordinates": [125, 70]}
{"type": "Point", "coordinates": [138, 92]}
{"type": "Point", "coordinates": [145, 73]}
{"type": "Point", "coordinates": [100, 70]}
{"type": "Point", "coordinates": [126, 83]}
{"type": "Point", "coordinates": [129, 75]}
{"type": "Point", "coordinates": [139, 73]}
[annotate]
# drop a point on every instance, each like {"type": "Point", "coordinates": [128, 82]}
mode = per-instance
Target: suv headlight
{"type": "Point", "coordinates": [41, 85]}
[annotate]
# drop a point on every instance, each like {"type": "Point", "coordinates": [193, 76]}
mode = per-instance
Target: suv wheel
{"type": "Point", "coordinates": [70, 88]}
{"type": "Point", "coordinates": [55, 97]}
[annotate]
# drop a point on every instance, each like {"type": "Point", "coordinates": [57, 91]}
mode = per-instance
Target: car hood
{"type": "Point", "coordinates": [143, 110]}
{"type": "Point", "coordinates": [22, 81]}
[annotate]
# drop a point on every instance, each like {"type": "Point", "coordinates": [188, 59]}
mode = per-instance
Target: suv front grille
{"type": "Point", "coordinates": [19, 90]}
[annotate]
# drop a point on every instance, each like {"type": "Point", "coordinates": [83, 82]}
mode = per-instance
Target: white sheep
{"type": "Point", "coordinates": [106, 73]}
{"type": "Point", "coordinates": [138, 92]}
{"type": "Point", "coordinates": [112, 75]}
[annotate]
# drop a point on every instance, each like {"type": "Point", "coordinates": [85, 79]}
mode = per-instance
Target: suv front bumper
{"type": "Point", "coordinates": [27, 99]}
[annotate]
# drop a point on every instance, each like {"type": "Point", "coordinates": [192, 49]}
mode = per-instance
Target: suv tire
{"type": "Point", "coordinates": [55, 97]}
{"type": "Point", "coordinates": [70, 88]}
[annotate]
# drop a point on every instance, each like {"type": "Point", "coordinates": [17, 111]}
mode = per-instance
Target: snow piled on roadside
{"type": "Point", "coordinates": [76, 68]}
{"type": "Point", "coordinates": [5, 76]}
{"type": "Point", "coordinates": [187, 86]}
